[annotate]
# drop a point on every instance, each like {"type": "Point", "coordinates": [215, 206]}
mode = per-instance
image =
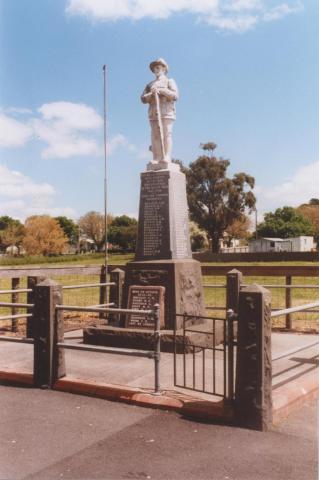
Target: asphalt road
{"type": "Point", "coordinates": [54, 435]}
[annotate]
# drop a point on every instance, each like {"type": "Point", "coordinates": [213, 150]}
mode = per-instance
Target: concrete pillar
{"type": "Point", "coordinates": [253, 395]}
{"type": "Point", "coordinates": [116, 293]}
{"type": "Point", "coordinates": [49, 364]}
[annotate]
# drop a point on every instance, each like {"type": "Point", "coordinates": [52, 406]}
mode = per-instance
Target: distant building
{"type": "Point", "coordinates": [296, 244]}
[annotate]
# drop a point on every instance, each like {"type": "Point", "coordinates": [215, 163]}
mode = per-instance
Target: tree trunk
{"type": "Point", "coordinates": [215, 243]}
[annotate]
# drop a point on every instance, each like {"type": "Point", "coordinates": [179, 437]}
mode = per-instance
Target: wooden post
{"type": "Point", "coordinates": [103, 290]}
{"type": "Point", "coordinates": [116, 293]}
{"type": "Point", "coordinates": [288, 303]}
{"type": "Point", "coordinates": [48, 360]}
{"type": "Point", "coordinates": [253, 395]}
{"type": "Point", "coordinates": [15, 284]}
{"type": "Point", "coordinates": [31, 283]}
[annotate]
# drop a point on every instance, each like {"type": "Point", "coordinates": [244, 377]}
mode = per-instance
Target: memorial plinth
{"type": "Point", "coordinates": [163, 254]}
{"type": "Point", "coordinates": [163, 231]}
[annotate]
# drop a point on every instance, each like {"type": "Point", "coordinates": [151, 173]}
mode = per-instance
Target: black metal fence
{"type": "Point", "coordinates": [204, 355]}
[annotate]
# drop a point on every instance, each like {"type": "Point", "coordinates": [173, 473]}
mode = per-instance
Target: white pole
{"type": "Point", "coordinates": [105, 171]}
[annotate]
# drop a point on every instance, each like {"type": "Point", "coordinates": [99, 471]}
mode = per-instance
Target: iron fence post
{"type": "Point", "coordinates": [157, 347]}
{"type": "Point", "coordinates": [15, 285]}
{"type": "Point", "coordinates": [288, 302]}
{"type": "Point", "coordinates": [103, 291]}
{"type": "Point", "coordinates": [31, 283]}
{"type": "Point", "coordinates": [230, 346]}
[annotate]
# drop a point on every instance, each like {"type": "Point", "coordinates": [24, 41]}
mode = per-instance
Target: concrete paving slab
{"type": "Point", "coordinates": [139, 372]}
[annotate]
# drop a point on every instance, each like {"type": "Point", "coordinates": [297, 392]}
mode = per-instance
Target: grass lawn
{"type": "Point", "coordinates": [215, 297]}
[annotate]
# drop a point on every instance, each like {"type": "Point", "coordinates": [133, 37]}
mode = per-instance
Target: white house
{"type": "Point", "coordinates": [303, 244]}
{"type": "Point", "coordinates": [297, 244]}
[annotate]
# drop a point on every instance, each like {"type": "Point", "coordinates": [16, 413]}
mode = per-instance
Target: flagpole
{"type": "Point", "coordinates": [105, 170]}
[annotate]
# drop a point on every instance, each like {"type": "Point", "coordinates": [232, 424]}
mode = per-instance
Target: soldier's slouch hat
{"type": "Point", "coordinates": [159, 61]}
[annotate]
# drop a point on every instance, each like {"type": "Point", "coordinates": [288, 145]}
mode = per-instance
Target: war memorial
{"type": "Point", "coordinates": [151, 299]}
{"type": "Point", "coordinates": [163, 270]}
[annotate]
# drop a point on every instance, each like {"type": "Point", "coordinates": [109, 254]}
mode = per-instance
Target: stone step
{"type": "Point", "coordinates": [143, 339]}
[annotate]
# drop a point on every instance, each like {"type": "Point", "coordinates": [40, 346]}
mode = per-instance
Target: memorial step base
{"type": "Point", "coordinates": [143, 339]}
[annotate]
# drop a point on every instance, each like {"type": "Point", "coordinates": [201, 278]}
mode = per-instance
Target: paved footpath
{"type": "Point", "coordinates": [53, 435]}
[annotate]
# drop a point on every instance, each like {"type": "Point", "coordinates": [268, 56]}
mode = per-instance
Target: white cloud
{"type": "Point", "coordinates": [228, 15]}
{"type": "Point", "coordinates": [300, 188]}
{"type": "Point", "coordinates": [72, 116]}
{"type": "Point", "coordinates": [20, 196]}
{"type": "Point", "coordinates": [62, 126]}
{"type": "Point", "coordinates": [12, 132]}
{"type": "Point", "coordinates": [117, 142]}
{"type": "Point", "coordinates": [282, 10]}
{"type": "Point", "coordinates": [67, 130]}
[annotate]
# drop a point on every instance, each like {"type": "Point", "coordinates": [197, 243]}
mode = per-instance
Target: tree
{"type": "Point", "coordinates": [310, 211]}
{"type": "Point", "coordinates": [13, 235]}
{"type": "Point", "coordinates": [92, 224]}
{"type": "Point", "coordinates": [11, 231]}
{"type": "Point", "coordinates": [216, 201]}
{"type": "Point", "coordinates": [123, 233]}
{"type": "Point", "coordinates": [285, 222]}
{"type": "Point", "coordinates": [239, 229]}
{"type": "Point", "coordinates": [198, 237]}
{"type": "Point", "coordinates": [70, 228]}
{"type": "Point", "coordinates": [43, 235]}
{"type": "Point", "coordinates": [5, 221]}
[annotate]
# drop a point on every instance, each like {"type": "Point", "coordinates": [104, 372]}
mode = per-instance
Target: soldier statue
{"type": "Point", "coordinates": [161, 95]}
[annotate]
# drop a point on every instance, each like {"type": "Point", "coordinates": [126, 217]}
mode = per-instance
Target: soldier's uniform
{"type": "Point", "coordinates": [167, 98]}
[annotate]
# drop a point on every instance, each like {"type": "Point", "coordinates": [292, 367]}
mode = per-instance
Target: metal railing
{"type": "Point", "coordinates": [300, 308]}
{"type": "Point", "coordinates": [155, 313]}
{"type": "Point", "coordinates": [88, 285]}
{"type": "Point", "coordinates": [287, 297]}
{"type": "Point", "coordinates": [5, 338]}
{"type": "Point", "coordinates": [221, 377]}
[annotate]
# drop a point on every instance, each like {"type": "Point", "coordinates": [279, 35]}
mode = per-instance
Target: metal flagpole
{"type": "Point", "coordinates": [105, 172]}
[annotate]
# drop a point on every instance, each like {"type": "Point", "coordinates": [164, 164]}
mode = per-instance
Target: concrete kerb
{"type": "Point", "coordinates": [169, 400]}
{"type": "Point", "coordinates": [17, 378]}
{"type": "Point", "coordinates": [286, 399]}
{"type": "Point", "coordinates": [293, 395]}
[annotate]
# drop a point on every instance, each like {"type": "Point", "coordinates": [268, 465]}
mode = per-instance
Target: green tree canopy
{"type": "Point", "coordinates": [123, 221]}
{"type": "Point", "coordinates": [70, 228]}
{"type": "Point", "coordinates": [122, 232]}
{"type": "Point", "coordinates": [285, 222]}
{"type": "Point", "coordinates": [11, 231]}
{"type": "Point", "coordinates": [215, 200]}
{"type": "Point", "coordinates": [6, 221]}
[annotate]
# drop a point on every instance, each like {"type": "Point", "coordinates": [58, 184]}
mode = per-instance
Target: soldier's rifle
{"type": "Point", "coordinates": [159, 122]}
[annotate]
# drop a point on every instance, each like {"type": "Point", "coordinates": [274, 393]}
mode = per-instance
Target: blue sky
{"type": "Point", "coordinates": [247, 72]}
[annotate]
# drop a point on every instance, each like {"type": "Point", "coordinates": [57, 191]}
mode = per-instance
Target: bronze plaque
{"type": "Point", "coordinates": [144, 298]}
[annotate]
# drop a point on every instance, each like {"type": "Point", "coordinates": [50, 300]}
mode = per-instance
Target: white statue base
{"type": "Point", "coordinates": [153, 166]}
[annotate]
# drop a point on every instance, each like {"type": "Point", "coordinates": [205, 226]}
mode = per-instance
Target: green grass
{"type": "Point", "coordinates": [213, 296]}
{"type": "Point", "coordinates": [87, 259]}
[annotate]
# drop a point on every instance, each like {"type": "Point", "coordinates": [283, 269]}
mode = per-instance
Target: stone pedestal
{"type": "Point", "coordinates": [182, 281]}
{"type": "Point", "coordinates": [163, 231]}
{"type": "Point", "coordinates": [163, 254]}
